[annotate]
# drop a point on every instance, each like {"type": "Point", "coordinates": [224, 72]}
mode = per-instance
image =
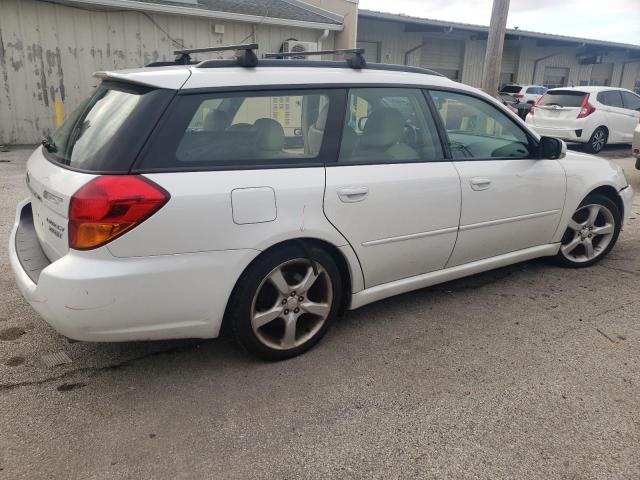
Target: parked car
{"type": "Point", "coordinates": [594, 116]}
{"type": "Point", "coordinates": [524, 93]}
{"type": "Point", "coordinates": [176, 200]}
{"type": "Point", "coordinates": [635, 147]}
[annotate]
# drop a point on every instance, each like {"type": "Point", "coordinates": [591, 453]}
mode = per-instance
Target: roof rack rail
{"type": "Point", "coordinates": [353, 56]}
{"type": "Point", "coordinates": [245, 55]}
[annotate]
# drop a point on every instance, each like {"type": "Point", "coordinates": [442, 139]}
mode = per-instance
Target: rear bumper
{"type": "Point", "coordinates": [93, 296]}
{"type": "Point", "coordinates": [567, 134]}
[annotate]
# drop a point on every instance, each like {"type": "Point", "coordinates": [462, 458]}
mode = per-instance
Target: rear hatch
{"type": "Point", "coordinates": [558, 109]}
{"type": "Point", "coordinates": [102, 136]}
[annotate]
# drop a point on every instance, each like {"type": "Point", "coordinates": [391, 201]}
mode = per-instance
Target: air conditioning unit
{"type": "Point", "coordinates": [294, 46]}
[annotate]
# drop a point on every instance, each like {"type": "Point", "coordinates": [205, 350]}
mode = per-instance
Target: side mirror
{"type": "Point", "coordinates": [362, 121]}
{"type": "Point", "coordinates": [552, 148]}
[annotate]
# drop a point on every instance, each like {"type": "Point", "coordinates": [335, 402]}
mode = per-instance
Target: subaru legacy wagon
{"type": "Point", "coordinates": [267, 199]}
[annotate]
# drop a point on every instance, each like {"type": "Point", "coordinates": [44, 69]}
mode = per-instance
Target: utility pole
{"type": "Point", "coordinates": [495, 43]}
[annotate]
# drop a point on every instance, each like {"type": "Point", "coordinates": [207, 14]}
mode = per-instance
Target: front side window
{"type": "Point", "coordinates": [478, 130]}
{"type": "Point", "coordinates": [243, 129]}
{"type": "Point", "coordinates": [388, 125]}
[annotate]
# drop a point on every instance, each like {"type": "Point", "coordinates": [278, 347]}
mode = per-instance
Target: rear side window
{"type": "Point", "coordinates": [511, 89]}
{"type": "Point", "coordinates": [245, 129]}
{"type": "Point", "coordinates": [388, 125]}
{"type": "Point", "coordinates": [611, 98]}
{"type": "Point", "coordinates": [631, 101]}
{"type": "Point", "coordinates": [562, 98]}
{"type": "Point", "coordinates": [105, 133]}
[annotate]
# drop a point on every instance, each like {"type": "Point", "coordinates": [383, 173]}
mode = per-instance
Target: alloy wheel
{"type": "Point", "coordinates": [598, 140]}
{"type": "Point", "coordinates": [590, 232]}
{"type": "Point", "coordinates": [291, 304]}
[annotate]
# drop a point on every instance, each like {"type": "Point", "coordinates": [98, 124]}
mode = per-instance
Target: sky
{"type": "Point", "coordinates": [612, 20]}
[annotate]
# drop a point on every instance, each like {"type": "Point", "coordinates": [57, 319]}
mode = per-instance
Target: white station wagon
{"type": "Point", "coordinates": [267, 196]}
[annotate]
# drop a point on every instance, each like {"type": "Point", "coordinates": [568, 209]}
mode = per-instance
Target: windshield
{"type": "Point", "coordinates": [562, 98]}
{"type": "Point", "coordinates": [511, 88]}
{"type": "Point", "coordinates": [104, 133]}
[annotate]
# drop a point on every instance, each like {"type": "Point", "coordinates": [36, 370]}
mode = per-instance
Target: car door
{"type": "Point", "coordinates": [510, 200]}
{"type": "Point", "coordinates": [631, 103]}
{"type": "Point", "coordinates": [617, 119]}
{"type": "Point", "coordinates": [391, 192]}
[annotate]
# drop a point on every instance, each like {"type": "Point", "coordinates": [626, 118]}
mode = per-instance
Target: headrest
{"type": "Point", "coordinates": [321, 121]}
{"type": "Point", "coordinates": [216, 121]}
{"type": "Point", "coordinates": [270, 135]}
{"type": "Point", "coordinates": [384, 127]}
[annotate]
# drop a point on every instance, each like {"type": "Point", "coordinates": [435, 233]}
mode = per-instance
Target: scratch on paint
{"type": "Point", "coordinates": [302, 224]}
{"type": "Point", "coordinates": [89, 308]}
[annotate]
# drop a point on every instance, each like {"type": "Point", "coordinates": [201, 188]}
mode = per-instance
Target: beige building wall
{"type": "Point", "coordinates": [49, 52]}
{"type": "Point", "coordinates": [349, 10]}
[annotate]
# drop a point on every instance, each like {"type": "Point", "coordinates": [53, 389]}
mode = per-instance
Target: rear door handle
{"type": "Point", "coordinates": [480, 183]}
{"type": "Point", "coordinates": [352, 194]}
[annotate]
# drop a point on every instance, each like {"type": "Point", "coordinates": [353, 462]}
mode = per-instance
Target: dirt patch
{"type": "Point", "coordinates": [15, 361]}
{"type": "Point", "coordinates": [11, 333]}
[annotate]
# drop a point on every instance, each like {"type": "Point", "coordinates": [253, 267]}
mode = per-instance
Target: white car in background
{"type": "Point", "coordinates": [635, 147]}
{"type": "Point", "coordinates": [177, 199]}
{"type": "Point", "coordinates": [524, 93]}
{"type": "Point", "coordinates": [594, 116]}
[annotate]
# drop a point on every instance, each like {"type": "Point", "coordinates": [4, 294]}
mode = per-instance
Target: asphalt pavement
{"type": "Point", "coordinates": [529, 371]}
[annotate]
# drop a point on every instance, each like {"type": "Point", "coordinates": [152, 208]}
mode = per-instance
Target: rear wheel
{"type": "Point", "coordinates": [597, 141]}
{"type": "Point", "coordinates": [592, 232]}
{"type": "Point", "coordinates": [286, 302]}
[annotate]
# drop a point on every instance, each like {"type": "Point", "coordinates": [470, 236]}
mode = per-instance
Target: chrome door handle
{"type": "Point", "coordinates": [480, 183]}
{"type": "Point", "coordinates": [352, 194]}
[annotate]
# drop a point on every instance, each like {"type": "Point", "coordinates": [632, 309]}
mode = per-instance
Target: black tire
{"type": "Point", "coordinates": [597, 141]}
{"type": "Point", "coordinates": [242, 301]}
{"type": "Point", "coordinates": [564, 261]}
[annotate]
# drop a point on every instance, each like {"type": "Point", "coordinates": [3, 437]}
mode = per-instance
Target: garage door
{"type": "Point", "coordinates": [601, 74]}
{"type": "Point", "coordinates": [444, 56]}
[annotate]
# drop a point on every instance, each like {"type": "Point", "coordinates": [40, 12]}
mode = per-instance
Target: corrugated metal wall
{"type": "Point", "coordinates": [49, 52]}
{"type": "Point", "coordinates": [519, 55]}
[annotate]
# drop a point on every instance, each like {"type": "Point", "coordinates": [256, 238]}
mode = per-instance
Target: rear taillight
{"type": "Point", "coordinates": [532, 109]}
{"type": "Point", "coordinates": [109, 206]}
{"type": "Point", "coordinates": [586, 108]}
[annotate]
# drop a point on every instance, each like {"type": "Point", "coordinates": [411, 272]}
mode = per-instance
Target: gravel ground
{"type": "Point", "coordinates": [529, 371]}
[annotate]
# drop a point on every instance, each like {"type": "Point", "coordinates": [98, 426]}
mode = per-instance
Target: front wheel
{"type": "Point", "coordinates": [597, 141]}
{"type": "Point", "coordinates": [592, 232]}
{"type": "Point", "coordinates": [286, 302]}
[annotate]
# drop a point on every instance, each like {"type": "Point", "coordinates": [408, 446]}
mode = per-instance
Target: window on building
{"type": "Point", "coordinates": [448, 72]}
{"type": "Point", "coordinates": [371, 51]}
{"type": "Point", "coordinates": [555, 77]}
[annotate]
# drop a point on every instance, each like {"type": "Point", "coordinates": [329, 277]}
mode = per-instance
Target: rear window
{"type": "Point", "coordinates": [511, 89]}
{"type": "Point", "coordinates": [562, 98]}
{"type": "Point", "coordinates": [229, 130]}
{"type": "Point", "coordinates": [107, 130]}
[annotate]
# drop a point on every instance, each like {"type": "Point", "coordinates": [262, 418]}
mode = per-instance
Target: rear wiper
{"type": "Point", "coordinates": [49, 144]}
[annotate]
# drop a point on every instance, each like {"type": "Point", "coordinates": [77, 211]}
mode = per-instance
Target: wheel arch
{"type": "Point", "coordinates": [345, 268]}
{"type": "Point", "coordinates": [612, 194]}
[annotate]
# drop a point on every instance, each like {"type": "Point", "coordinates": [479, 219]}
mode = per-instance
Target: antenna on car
{"type": "Point", "coordinates": [245, 55]}
{"type": "Point", "coordinates": [353, 56]}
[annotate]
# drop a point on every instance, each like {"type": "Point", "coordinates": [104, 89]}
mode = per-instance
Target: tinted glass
{"type": "Point", "coordinates": [107, 130]}
{"type": "Point", "coordinates": [562, 98]}
{"type": "Point", "coordinates": [256, 128]}
{"type": "Point", "coordinates": [631, 101]}
{"type": "Point", "coordinates": [611, 98]}
{"type": "Point", "coordinates": [388, 125]}
{"type": "Point", "coordinates": [535, 90]}
{"type": "Point", "coordinates": [511, 89]}
{"type": "Point", "coordinates": [476, 129]}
